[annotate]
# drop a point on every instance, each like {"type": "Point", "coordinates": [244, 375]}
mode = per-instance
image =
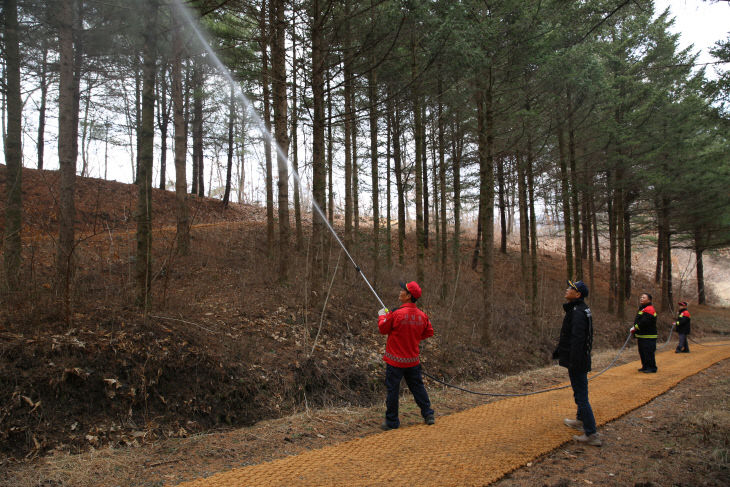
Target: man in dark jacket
{"type": "Point", "coordinates": [405, 327]}
{"type": "Point", "coordinates": [645, 331]}
{"type": "Point", "coordinates": [574, 352]}
{"type": "Point", "coordinates": [683, 322]}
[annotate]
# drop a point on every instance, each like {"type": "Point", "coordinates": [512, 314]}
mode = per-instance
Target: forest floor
{"type": "Point", "coordinates": [228, 354]}
{"type": "Point", "coordinates": [681, 438]}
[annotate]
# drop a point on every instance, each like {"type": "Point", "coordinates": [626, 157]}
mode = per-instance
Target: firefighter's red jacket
{"type": "Point", "coordinates": [405, 327]}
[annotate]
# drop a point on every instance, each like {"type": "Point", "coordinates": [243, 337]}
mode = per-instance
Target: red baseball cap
{"type": "Point", "coordinates": [412, 288]}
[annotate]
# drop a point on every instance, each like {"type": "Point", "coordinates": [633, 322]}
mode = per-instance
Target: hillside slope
{"type": "Point", "coordinates": [225, 343]}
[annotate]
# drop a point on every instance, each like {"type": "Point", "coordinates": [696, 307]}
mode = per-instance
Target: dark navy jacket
{"type": "Point", "coordinates": [576, 337]}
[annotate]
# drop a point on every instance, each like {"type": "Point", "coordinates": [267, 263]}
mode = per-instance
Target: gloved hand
{"type": "Point", "coordinates": [383, 312]}
{"type": "Point", "coordinates": [632, 330]}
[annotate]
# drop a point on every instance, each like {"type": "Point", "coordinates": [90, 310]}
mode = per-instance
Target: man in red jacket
{"type": "Point", "coordinates": [405, 327]}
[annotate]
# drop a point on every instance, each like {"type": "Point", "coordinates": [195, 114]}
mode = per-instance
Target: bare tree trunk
{"type": "Point", "coordinates": [502, 206]}
{"type": "Point", "coordinates": [264, 42]}
{"type": "Point", "coordinates": [577, 251]}
{"type": "Point", "coordinates": [533, 231]}
{"type": "Point", "coordinates": [424, 168]}
{"type": "Point", "coordinates": [667, 294]}
{"type": "Point", "coordinates": [330, 144]}
{"type": "Point", "coordinates": [435, 189]}
{"type": "Point", "coordinates": [612, 279]}
{"type": "Point", "coordinates": [181, 186]}
{"type": "Point", "coordinates": [418, 132]}
{"type": "Point", "coordinates": [347, 72]}
{"type": "Point", "coordinates": [388, 235]}
{"type": "Point", "coordinates": [700, 268]}
{"type": "Point", "coordinates": [197, 188]}
{"type": "Point", "coordinates": [565, 196]}
{"type": "Point", "coordinates": [659, 246]}
{"type": "Point", "coordinates": [355, 169]}
{"type": "Point", "coordinates": [485, 117]}
{"type": "Point", "coordinates": [67, 148]}
{"type": "Point", "coordinates": [399, 183]}
{"type": "Point", "coordinates": [294, 146]}
{"type": "Point", "coordinates": [85, 130]}
{"type": "Point", "coordinates": [442, 185]}
{"type": "Point", "coordinates": [477, 240]}
{"type": "Point", "coordinates": [163, 121]}
{"type": "Point", "coordinates": [318, 162]}
{"type": "Point", "coordinates": [137, 111]}
{"type": "Point", "coordinates": [229, 155]}
{"type": "Point", "coordinates": [627, 249]}
{"type": "Point", "coordinates": [12, 247]}
{"type": "Point", "coordinates": [143, 264]}
{"type": "Point", "coordinates": [373, 99]}
{"type": "Point", "coordinates": [524, 225]}
{"type": "Point", "coordinates": [457, 146]}
{"type": "Point", "coordinates": [278, 64]}
{"type": "Point", "coordinates": [595, 228]}
{"type": "Point", "coordinates": [620, 235]}
{"type": "Point", "coordinates": [41, 144]}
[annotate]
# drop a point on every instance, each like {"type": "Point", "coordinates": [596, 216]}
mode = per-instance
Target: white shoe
{"type": "Point", "coordinates": [592, 440]}
{"type": "Point", "coordinates": [574, 423]}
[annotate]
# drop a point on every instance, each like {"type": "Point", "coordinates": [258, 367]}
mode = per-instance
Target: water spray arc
{"type": "Point", "coordinates": [190, 21]}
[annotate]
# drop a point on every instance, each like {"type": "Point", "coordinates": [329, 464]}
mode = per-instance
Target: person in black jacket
{"type": "Point", "coordinates": [645, 332]}
{"type": "Point", "coordinates": [574, 353]}
{"type": "Point", "coordinates": [683, 322]}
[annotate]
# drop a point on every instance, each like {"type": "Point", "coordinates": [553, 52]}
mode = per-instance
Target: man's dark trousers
{"type": "Point", "coordinates": [647, 352]}
{"type": "Point", "coordinates": [393, 376]}
{"type": "Point", "coordinates": [579, 383]}
{"type": "Point", "coordinates": [682, 346]}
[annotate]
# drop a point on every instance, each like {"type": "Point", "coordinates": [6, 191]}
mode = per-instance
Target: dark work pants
{"type": "Point", "coordinates": [682, 346]}
{"type": "Point", "coordinates": [579, 383]}
{"type": "Point", "coordinates": [647, 349]}
{"type": "Point", "coordinates": [393, 376]}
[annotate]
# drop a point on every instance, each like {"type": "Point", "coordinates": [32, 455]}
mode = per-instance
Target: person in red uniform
{"type": "Point", "coordinates": [683, 322]}
{"type": "Point", "coordinates": [405, 327]}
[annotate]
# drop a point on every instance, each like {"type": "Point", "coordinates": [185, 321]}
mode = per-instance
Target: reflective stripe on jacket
{"type": "Point", "coordinates": [645, 322]}
{"type": "Point", "coordinates": [683, 322]}
{"type": "Point", "coordinates": [405, 327]}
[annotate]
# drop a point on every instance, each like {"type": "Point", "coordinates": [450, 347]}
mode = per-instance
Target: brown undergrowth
{"type": "Point", "coordinates": [225, 342]}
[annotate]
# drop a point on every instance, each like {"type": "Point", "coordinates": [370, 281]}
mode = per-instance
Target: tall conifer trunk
{"type": "Point", "coordinates": [143, 264]}
{"type": "Point", "coordinates": [68, 97]}
{"type": "Point", "coordinates": [577, 251]}
{"type": "Point", "coordinates": [229, 153]}
{"type": "Point", "coordinates": [330, 146]}
{"type": "Point", "coordinates": [524, 224]}
{"type": "Point", "coordinates": [264, 42]}
{"type": "Point", "coordinates": [619, 203]}
{"type": "Point", "coordinates": [372, 94]}
{"type": "Point", "coordinates": [12, 246]}
{"type": "Point", "coordinates": [388, 203]}
{"type": "Point", "coordinates": [442, 185]}
{"type": "Point", "coordinates": [565, 198]}
{"type": "Point", "coordinates": [318, 155]}
{"type": "Point", "coordinates": [41, 144]}
{"type": "Point", "coordinates": [485, 117]}
{"type": "Point", "coordinates": [502, 206]}
{"type": "Point", "coordinates": [399, 183]}
{"type": "Point", "coordinates": [295, 145]}
{"type": "Point", "coordinates": [278, 67]}
{"type": "Point", "coordinates": [700, 267]}
{"type": "Point", "coordinates": [456, 153]}
{"type": "Point", "coordinates": [179, 124]}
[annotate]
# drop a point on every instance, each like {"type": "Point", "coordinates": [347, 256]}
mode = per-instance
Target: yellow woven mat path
{"type": "Point", "coordinates": [473, 447]}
